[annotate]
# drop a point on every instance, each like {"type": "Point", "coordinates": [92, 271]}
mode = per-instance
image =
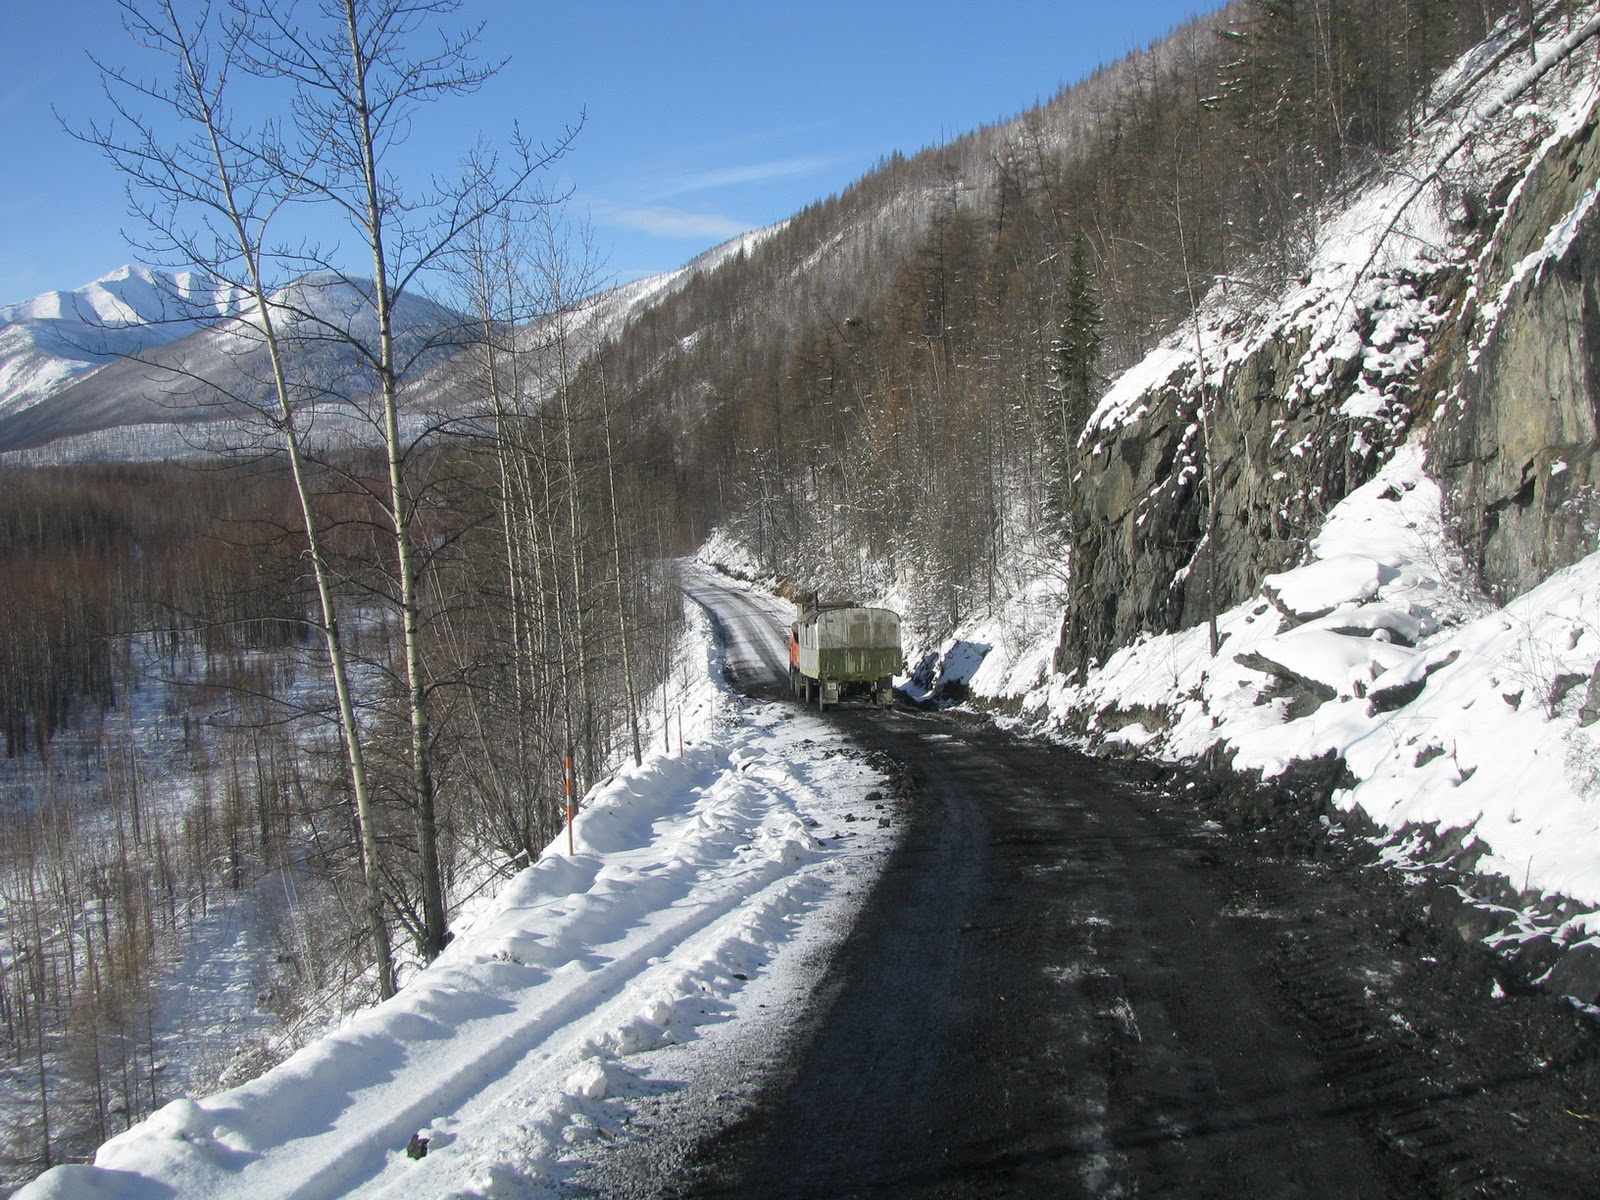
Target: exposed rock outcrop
{"type": "Point", "coordinates": [1297, 420]}
{"type": "Point", "coordinates": [1492, 341]}
{"type": "Point", "coordinates": [1517, 443]}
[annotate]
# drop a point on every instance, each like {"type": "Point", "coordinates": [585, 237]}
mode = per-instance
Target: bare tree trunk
{"type": "Point", "coordinates": [494, 283]}
{"type": "Point", "coordinates": [199, 103]}
{"type": "Point", "coordinates": [579, 707]}
{"type": "Point", "coordinates": [355, 756]}
{"type": "Point", "coordinates": [562, 618]}
{"type": "Point", "coordinates": [623, 631]}
{"type": "Point", "coordinates": [430, 879]}
{"type": "Point", "coordinates": [38, 1018]}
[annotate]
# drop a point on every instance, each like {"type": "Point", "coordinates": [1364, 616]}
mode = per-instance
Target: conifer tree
{"type": "Point", "coordinates": [1078, 347]}
{"type": "Point", "coordinates": [1077, 351]}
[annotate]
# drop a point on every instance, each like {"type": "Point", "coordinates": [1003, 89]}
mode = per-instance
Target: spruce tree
{"type": "Point", "coordinates": [1077, 350]}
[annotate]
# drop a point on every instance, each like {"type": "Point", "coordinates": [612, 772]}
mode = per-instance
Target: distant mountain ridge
{"type": "Point", "coordinates": [122, 367]}
{"type": "Point", "coordinates": [143, 348]}
{"type": "Point", "coordinates": [55, 339]}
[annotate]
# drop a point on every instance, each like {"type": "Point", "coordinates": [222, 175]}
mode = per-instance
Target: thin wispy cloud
{"type": "Point", "coordinates": [664, 221]}
{"type": "Point", "coordinates": [765, 172]}
{"type": "Point", "coordinates": [671, 221]}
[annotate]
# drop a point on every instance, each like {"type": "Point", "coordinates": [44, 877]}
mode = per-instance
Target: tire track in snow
{"type": "Point", "coordinates": [692, 877]}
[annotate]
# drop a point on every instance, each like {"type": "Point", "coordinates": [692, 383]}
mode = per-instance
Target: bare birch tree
{"type": "Point", "coordinates": [208, 201]}
{"type": "Point", "coordinates": [357, 82]}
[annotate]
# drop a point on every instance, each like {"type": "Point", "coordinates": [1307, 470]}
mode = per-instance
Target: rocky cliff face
{"type": "Point", "coordinates": [1517, 439]}
{"type": "Point", "coordinates": [1283, 424]}
{"type": "Point", "coordinates": [1479, 333]}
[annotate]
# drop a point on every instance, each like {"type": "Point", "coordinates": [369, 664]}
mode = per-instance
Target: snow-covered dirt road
{"type": "Point", "coordinates": [749, 625]}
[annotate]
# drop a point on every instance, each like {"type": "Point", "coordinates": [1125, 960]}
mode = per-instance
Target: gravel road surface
{"type": "Point", "coordinates": [1083, 978]}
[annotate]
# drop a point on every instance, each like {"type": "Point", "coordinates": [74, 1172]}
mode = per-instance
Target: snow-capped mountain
{"type": "Point", "coordinates": [117, 368]}
{"type": "Point", "coordinates": [52, 341]}
{"type": "Point", "coordinates": [140, 364]}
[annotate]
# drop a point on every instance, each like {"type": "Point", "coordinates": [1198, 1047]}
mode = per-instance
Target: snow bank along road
{"type": "Point", "coordinates": [706, 889]}
{"type": "Point", "coordinates": [1082, 978]}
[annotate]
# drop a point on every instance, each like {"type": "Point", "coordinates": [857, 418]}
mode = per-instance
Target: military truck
{"type": "Point", "coordinates": [839, 649]}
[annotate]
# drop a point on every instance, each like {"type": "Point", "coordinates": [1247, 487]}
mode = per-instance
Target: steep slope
{"type": "Point", "coordinates": [1335, 530]}
{"type": "Point", "coordinates": [589, 322]}
{"type": "Point", "coordinates": [1273, 412]}
{"type": "Point", "coordinates": [1378, 487]}
{"type": "Point", "coordinates": [875, 397]}
{"type": "Point", "coordinates": [1517, 443]}
{"type": "Point", "coordinates": [837, 261]}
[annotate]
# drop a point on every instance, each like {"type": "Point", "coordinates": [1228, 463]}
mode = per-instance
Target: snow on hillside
{"type": "Point", "coordinates": [58, 337]}
{"type": "Point", "coordinates": [1370, 251]}
{"type": "Point", "coordinates": [1449, 713]}
{"type": "Point", "coordinates": [197, 382]}
{"type": "Point", "coordinates": [53, 343]}
{"type": "Point", "coordinates": [702, 889]}
{"type": "Point", "coordinates": [609, 312]}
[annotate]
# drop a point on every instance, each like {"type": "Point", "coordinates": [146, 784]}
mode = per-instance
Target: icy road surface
{"type": "Point", "coordinates": [750, 625]}
{"type": "Point", "coordinates": [704, 898]}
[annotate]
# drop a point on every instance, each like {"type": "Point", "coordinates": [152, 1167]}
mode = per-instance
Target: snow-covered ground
{"type": "Point", "coordinates": [1449, 713]}
{"type": "Point", "coordinates": [700, 897]}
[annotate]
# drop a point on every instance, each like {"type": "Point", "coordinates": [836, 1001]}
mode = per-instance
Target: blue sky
{"type": "Point", "coordinates": [703, 118]}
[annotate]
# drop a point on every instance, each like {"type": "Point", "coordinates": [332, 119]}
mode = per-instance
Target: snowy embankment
{"type": "Point", "coordinates": [1464, 727]}
{"type": "Point", "coordinates": [1448, 713]}
{"type": "Point", "coordinates": [516, 1053]}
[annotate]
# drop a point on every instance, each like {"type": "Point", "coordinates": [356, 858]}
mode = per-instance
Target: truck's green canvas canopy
{"type": "Point", "coordinates": [850, 644]}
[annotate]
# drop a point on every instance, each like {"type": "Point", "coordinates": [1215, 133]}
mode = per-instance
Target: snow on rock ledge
{"type": "Point", "coordinates": [1475, 729]}
{"type": "Point", "coordinates": [1320, 587]}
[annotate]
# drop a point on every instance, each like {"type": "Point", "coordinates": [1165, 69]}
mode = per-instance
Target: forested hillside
{"type": "Point", "coordinates": [889, 388]}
